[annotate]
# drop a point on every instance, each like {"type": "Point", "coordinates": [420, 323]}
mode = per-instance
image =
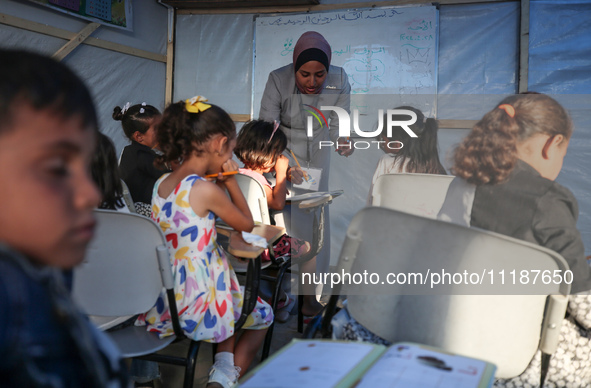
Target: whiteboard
{"type": "Point", "coordinates": [383, 50]}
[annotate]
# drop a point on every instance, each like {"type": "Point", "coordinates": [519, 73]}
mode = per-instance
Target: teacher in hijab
{"type": "Point", "coordinates": [293, 96]}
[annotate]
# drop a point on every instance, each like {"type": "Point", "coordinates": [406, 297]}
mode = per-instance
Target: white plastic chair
{"type": "Point", "coordinates": [127, 197]}
{"type": "Point", "coordinates": [506, 330]}
{"type": "Point", "coordinates": [125, 269]}
{"type": "Point", "coordinates": [420, 194]}
{"type": "Point", "coordinates": [256, 197]}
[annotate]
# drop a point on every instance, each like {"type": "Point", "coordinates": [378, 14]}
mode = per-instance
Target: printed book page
{"type": "Point", "coordinates": [310, 364]}
{"type": "Point", "coordinates": [313, 176]}
{"type": "Point", "coordinates": [408, 365]}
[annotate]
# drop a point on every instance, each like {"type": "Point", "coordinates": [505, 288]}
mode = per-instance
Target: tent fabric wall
{"type": "Point", "coordinates": [214, 58]}
{"type": "Point", "coordinates": [560, 65]}
{"type": "Point", "coordinates": [465, 69]}
{"type": "Point", "coordinates": [113, 78]}
{"type": "Point", "coordinates": [479, 50]}
{"type": "Point", "coordinates": [560, 47]}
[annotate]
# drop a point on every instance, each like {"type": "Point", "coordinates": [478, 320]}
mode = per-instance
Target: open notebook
{"type": "Point", "coordinates": [339, 364]}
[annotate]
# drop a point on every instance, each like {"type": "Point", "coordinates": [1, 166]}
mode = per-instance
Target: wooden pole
{"type": "Point", "coordinates": [524, 47]}
{"type": "Point", "coordinates": [75, 41]}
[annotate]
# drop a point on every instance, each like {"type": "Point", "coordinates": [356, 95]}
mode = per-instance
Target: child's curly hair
{"type": "Point", "coordinates": [489, 153]}
{"type": "Point", "coordinates": [180, 133]}
{"type": "Point", "coordinates": [258, 145]}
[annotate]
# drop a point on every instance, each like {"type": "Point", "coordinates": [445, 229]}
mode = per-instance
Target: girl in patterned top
{"type": "Point", "coordinates": [201, 137]}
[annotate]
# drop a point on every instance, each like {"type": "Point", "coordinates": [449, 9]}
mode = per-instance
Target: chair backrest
{"type": "Point", "coordinates": [420, 194]}
{"type": "Point", "coordinates": [121, 272]}
{"type": "Point", "coordinates": [127, 197]}
{"type": "Point", "coordinates": [256, 197]}
{"type": "Point", "coordinates": [503, 329]}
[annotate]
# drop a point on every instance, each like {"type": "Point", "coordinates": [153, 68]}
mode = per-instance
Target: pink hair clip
{"type": "Point", "coordinates": [275, 126]}
{"type": "Point", "coordinates": [509, 109]}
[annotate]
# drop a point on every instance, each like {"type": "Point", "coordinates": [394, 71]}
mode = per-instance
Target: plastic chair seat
{"type": "Point", "coordinates": [135, 341]}
{"type": "Point", "coordinates": [105, 322]}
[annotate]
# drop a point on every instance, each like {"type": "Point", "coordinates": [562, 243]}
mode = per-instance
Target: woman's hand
{"type": "Point", "coordinates": [344, 146]}
{"type": "Point", "coordinates": [295, 175]}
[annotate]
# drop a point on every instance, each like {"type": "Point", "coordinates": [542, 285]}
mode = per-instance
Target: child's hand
{"type": "Point", "coordinates": [295, 175]}
{"type": "Point", "coordinates": [282, 165]}
{"type": "Point", "coordinates": [228, 166]}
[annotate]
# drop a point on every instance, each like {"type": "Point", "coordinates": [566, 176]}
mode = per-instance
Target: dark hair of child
{"type": "Point", "coordinates": [421, 152]}
{"type": "Point", "coordinates": [181, 133]}
{"type": "Point", "coordinates": [105, 173]}
{"type": "Point", "coordinates": [257, 146]}
{"type": "Point", "coordinates": [42, 83]}
{"type": "Point", "coordinates": [489, 153]}
{"type": "Point", "coordinates": [137, 118]}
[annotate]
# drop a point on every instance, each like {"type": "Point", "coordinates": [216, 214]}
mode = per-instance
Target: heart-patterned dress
{"type": "Point", "coordinates": [208, 295]}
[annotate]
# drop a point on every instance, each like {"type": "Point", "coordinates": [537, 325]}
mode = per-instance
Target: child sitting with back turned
{"type": "Point", "coordinates": [48, 130]}
{"type": "Point", "coordinates": [505, 170]}
{"type": "Point", "coordinates": [137, 160]}
{"type": "Point", "coordinates": [201, 138]}
{"type": "Point", "coordinates": [106, 175]}
{"type": "Point", "coordinates": [405, 154]}
{"type": "Point", "coordinates": [260, 146]}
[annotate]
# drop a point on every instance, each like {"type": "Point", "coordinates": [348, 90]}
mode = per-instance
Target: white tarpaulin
{"type": "Point", "coordinates": [113, 77]}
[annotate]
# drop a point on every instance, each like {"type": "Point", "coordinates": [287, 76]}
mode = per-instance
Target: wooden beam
{"type": "Point", "coordinates": [240, 118]}
{"type": "Point", "coordinates": [75, 41]}
{"type": "Point", "coordinates": [170, 57]}
{"type": "Point", "coordinates": [325, 7]}
{"type": "Point", "coordinates": [24, 24]}
{"type": "Point", "coordinates": [45, 29]}
{"type": "Point", "coordinates": [524, 47]}
{"type": "Point", "coordinates": [457, 124]}
{"type": "Point", "coordinates": [209, 4]}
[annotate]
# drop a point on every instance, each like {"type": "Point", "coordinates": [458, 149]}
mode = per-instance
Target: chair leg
{"type": "Point", "coordinates": [191, 364]}
{"type": "Point", "coordinates": [251, 291]}
{"type": "Point", "coordinates": [300, 315]}
{"type": "Point", "coordinates": [274, 301]}
{"type": "Point", "coordinates": [329, 311]}
{"type": "Point", "coordinates": [267, 343]}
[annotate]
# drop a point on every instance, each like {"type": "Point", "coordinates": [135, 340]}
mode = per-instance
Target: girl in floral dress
{"type": "Point", "coordinates": [200, 138]}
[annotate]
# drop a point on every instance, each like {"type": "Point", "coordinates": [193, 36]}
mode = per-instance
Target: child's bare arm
{"type": "Point", "coordinates": [233, 210]}
{"type": "Point", "coordinates": [276, 196]}
{"type": "Point", "coordinates": [208, 196]}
